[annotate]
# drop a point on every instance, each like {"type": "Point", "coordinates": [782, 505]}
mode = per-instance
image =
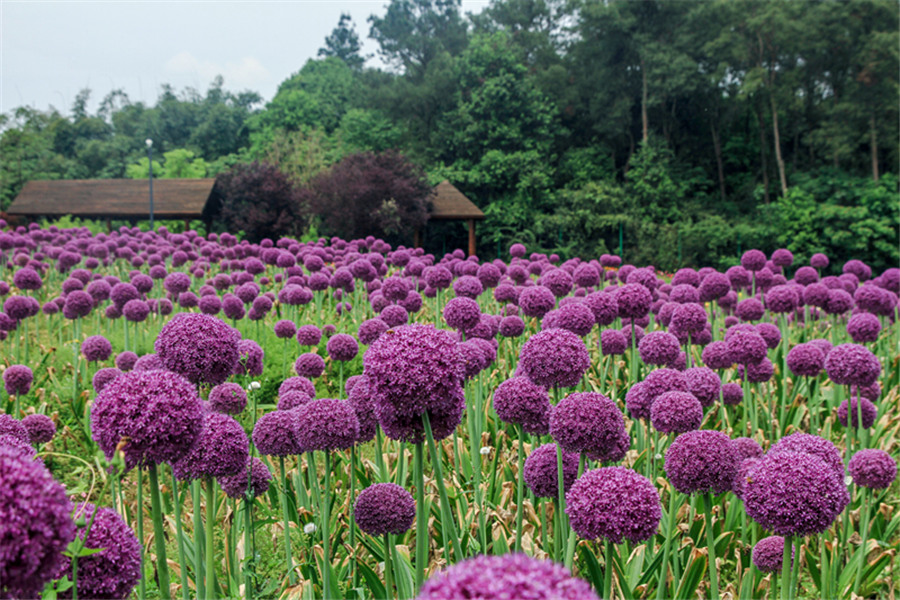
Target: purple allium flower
{"type": "Point", "coordinates": [749, 310]}
{"type": "Point", "coordinates": [536, 301]}
{"type": "Point", "coordinates": [839, 302]}
{"type": "Point", "coordinates": [858, 268]}
{"type": "Point", "coordinates": [806, 275]}
{"type": "Point", "coordinates": [35, 524]}
{"type": "Point", "coordinates": [301, 384]}
{"type": "Point", "coordinates": [851, 364]}
{"type": "Point", "coordinates": [783, 257]}
{"type": "Point", "coordinates": [41, 428]}
{"type": "Point", "coordinates": [521, 402]}
{"type": "Point", "coordinates": [811, 444]}
{"type": "Point", "coordinates": [554, 358]}
{"type": "Point", "coordinates": [658, 348]}
{"type": "Point", "coordinates": [444, 419]}
{"type": "Point", "coordinates": [462, 313]}
{"type": "Point", "coordinates": [13, 427]}
{"type": "Point", "coordinates": [438, 278]}
{"type": "Point", "coordinates": [873, 469]}
{"type": "Point", "coordinates": [309, 365]}
{"type": "Point", "coordinates": [125, 360]}
{"type": "Point", "coordinates": [136, 311]}
{"type": "Point", "coordinates": [96, 348]}
{"type": "Point", "coordinates": [342, 347]}
{"type": "Point", "coordinates": [512, 326]}
{"type": "Point", "coordinates": [17, 380]}
{"type": "Point", "coordinates": [661, 381]}
{"type": "Point", "coordinates": [222, 449]}
{"type": "Point", "coordinates": [637, 403]}
{"type": "Point", "coordinates": [177, 283]}
{"type": "Point", "coordinates": [157, 414]}
{"type": "Point", "coordinates": [732, 394]}
{"type": "Point", "coordinates": [395, 288]}
{"type": "Point", "coordinates": [676, 412]}
{"type": "Point", "coordinates": [704, 384]}
{"type": "Point", "coordinates": [292, 399]}
{"type": "Point", "coordinates": [753, 260]}
{"type": "Point", "coordinates": [592, 424]}
{"type": "Point", "coordinates": [805, 360]}
{"type": "Point", "coordinates": [251, 359]}
{"type": "Point", "coordinates": [574, 317]}
{"type": "Point", "coordinates": [816, 294]}
{"type": "Point", "coordinates": [363, 404]}
{"type": "Point", "coordinates": [604, 307]}
{"type": "Point", "coordinates": [757, 373]}
{"type": "Point", "coordinates": [689, 317]}
{"type": "Point", "coordinates": [507, 576]}
{"type": "Point", "coordinates": [768, 554]}
{"type": "Point", "coordinates": [517, 250]}
{"type": "Point", "coordinates": [746, 347]}
{"type": "Point", "coordinates": [863, 328]}
{"type": "Point", "coordinates": [228, 398]}
{"type": "Point", "coordinates": [586, 275]}
{"type": "Point", "coordinates": [27, 279]}
{"type": "Point", "coordinates": [633, 301]}
{"type": "Point", "coordinates": [384, 508]}
{"type": "Point", "coordinates": [612, 342]}
{"type": "Point", "coordinates": [371, 330]}
{"type": "Point", "coordinates": [232, 307]}
{"type": "Point", "coordinates": [103, 376]}
{"type": "Point", "coordinates": [868, 410]}
{"type": "Point", "coordinates": [557, 281]}
{"type": "Point", "coordinates": [276, 434]}
{"type": "Point", "coordinates": [414, 368]}
{"type": "Point", "coordinates": [18, 307]}
{"type": "Point", "coordinates": [702, 461]}
{"type": "Point", "coordinates": [255, 474]}
{"type": "Point", "coordinates": [793, 493]}
{"type": "Point", "coordinates": [468, 286]}
{"type": "Point", "coordinates": [78, 304]}
{"type": "Point", "coordinates": [285, 329]}
{"type": "Point", "coordinates": [714, 286]}
{"type": "Point", "coordinates": [747, 448]}
{"type": "Point", "coordinates": [870, 392]}
{"type": "Point", "coordinates": [819, 261]}
{"type": "Point", "coordinates": [614, 503]}
{"type": "Point", "coordinates": [394, 315]}
{"type": "Point", "coordinates": [684, 294]}
{"type": "Point", "coordinates": [201, 348]}
{"type": "Point", "coordinates": [309, 335]}
{"type": "Point", "coordinates": [770, 333]}
{"type": "Point", "coordinates": [148, 362]}
{"type": "Point", "coordinates": [542, 473]}
{"type": "Point", "coordinates": [781, 299]}
{"type": "Point", "coordinates": [327, 425]}
{"type": "Point", "coordinates": [116, 569]}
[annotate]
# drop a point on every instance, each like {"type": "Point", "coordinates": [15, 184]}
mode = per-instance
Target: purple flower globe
{"type": "Point", "coordinates": [521, 402]}
{"type": "Point", "coordinates": [676, 412]}
{"type": "Point", "coordinates": [592, 424]}
{"type": "Point", "coordinates": [444, 418]}
{"type": "Point", "coordinates": [222, 449]}
{"type": "Point", "coordinates": [747, 448]}
{"type": "Point", "coordinates": [716, 356]}
{"type": "Point", "coordinates": [96, 348]}
{"type": "Point", "coordinates": [690, 318]}
{"type": "Point", "coordinates": [78, 305]}
{"type": "Point", "coordinates": [370, 330]}
{"type": "Point", "coordinates": [228, 398]}
{"type": "Point", "coordinates": [659, 348]}
{"type": "Point", "coordinates": [292, 399]}
{"type": "Point", "coordinates": [309, 335]}
{"type": "Point", "coordinates": [41, 428]}
{"type": "Point", "coordinates": [327, 424]}
{"type": "Point", "coordinates": [155, 415]}
{"type": "Point", "coordinates": [504, 577]}
{"type": "Point", "coordinates": [462, 313]}
{"type": "Point", "coordinates": [781, 299]}
{"type": "Point", "coordinates": [633, 301]}
{"type": "Point", "coordinates": [873, 469]}
{"type": "Point", "coordinates": [614, 503]}
{"type": "Point", "coordinates": [276, 434]}
{"type": "Point", "coordinates": [554, 358]}
{"type": "Point", "coordinates": [604, 307]}
{"type": "Point", "coordinates": [136, 311]}
{"type": "Point", "coordinates": [868, 410]}
{"type": "Point", "coordinates": [749, 310]}
{"type": "Point", "coordinates": [746, 347]}
{"type": "Point", "coordinates": [574, 317]}
{"type": "Point", "coordinates": [301, 384]}
{"type": "Point", "coordinates": [541, 471]}
{"type": "Point", "coordinates": [125, 360]}
{"type": "Point", "coordinates": [704, 384]}
{"type": "Point", "coordinates": [768, 554]}
{"type": "Point", "coordinates": [512, 326]}
{"type": "Point", "coordinates": [309, 365]}
{"type": "Point", "coordinates": [637, 403]}
{"type": "Point", "coordinates": [116, 569]}
{"type": "Point", "coordinates": [200, 348]}
{"type": "Point", "coordinates": [795, 494]}
{"type": "Point", "coordinates": [536, 301]}
{"type": "Point", "coordinates": [13, 427]}
{"type": "Point", "coordinates": [414, 368]}
{"type": "Point", "coordinates": [753, 260]}
{"type": "Point", "coordinates": [811, 444]}
{"type": "Point", "coordinates": [285, 329]}
{"type": "Point", "coordinates": [770, 333]}
{"type": "Point", "coordinates": [251, 359]}
{"type": "Point", "coordinates": [660, 381]}
{"type": "Point", "coordinates": [148, 362]}
{"type": "Point", "coordinates": [851, 364]}
{"type": "Point", "coordinates": [732, 394]}
{"type": "Point", "coordinates": [35, 524]}
{"type": "Point", "coordinates": [864, 328]}
{"type": "Point", "coordinates": [255, 476]}
{"type": "Point", "coordinates": [17, 380]}
{"type": "Point", "coordinates": [759, 372]}
{"type": "Point", "coordinates": [342, 347]}
{"type": "Point", "coordinates": [363, 404]}
{"type": "Point", "coordinates": [702, 461]}
{"type": "Point", "coordinates": [612, 342]}
{"type": "Point", "coordinates": [103, 376]}
{"type": "Point", "coordinates": [394, 315]}
{"type": "Point", "coordinates": [805, 360]}
{"type": "Point", "coordinates": [27, 279]}
{"type": "Point", "coordinates": [384, 508]}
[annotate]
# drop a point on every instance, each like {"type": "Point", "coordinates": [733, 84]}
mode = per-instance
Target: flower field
{"type": "Point", "coordinates": [201, 417]}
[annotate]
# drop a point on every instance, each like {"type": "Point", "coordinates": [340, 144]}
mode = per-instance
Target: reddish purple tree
{"type": "Point", "coordinates": [370, 194]}
{"type": "Point", "coordinates": [259, 200]}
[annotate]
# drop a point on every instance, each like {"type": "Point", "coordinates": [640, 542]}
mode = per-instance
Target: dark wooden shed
{"type": "Point", "coordinates": [114, 199]}
{"type": "Point", "coordinates": [450, 204]}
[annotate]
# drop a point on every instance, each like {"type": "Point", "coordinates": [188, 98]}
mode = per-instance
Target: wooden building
{"type": "Point", "coordinates": [449, 204]}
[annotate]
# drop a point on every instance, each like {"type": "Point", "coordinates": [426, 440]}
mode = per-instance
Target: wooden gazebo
{"type": "Point", "coordinates": [450, 204]}
{"type": "Point", "coordinates": [114, 199]}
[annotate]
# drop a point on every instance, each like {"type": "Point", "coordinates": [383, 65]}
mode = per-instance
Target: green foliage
{"type": "Point", "coordinates": [177, 164]}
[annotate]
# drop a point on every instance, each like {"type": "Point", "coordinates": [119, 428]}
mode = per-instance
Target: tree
{"type": "Point", "coordinates": [370, 194]}
{"type": "Point", "coordinates": [343, 43]}
{"type": "Point", "coordinates": [259, 200]}
{"type": "Point", "coordinates": [177, 164]}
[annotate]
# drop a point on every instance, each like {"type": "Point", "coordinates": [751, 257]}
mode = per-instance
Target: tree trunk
{"type": "Point", "coordinates": [778, 159]}
{"type": "Point", "coordinates": [717, 146]}
{"type": "Point", "coordinates": [874, 144]}
{"type": "Point", "coordinates": [762, 154]}
{"type": "Point", "coordinates": [644, 123]}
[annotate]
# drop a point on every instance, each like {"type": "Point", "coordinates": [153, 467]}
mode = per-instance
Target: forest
{"type": "Point", "coordinates": [687, 132]}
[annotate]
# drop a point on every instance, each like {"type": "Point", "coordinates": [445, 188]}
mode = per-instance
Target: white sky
{"type": "Point", "coordinates": [50, 50]}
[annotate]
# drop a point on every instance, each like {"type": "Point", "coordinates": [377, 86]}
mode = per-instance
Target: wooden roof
{"type": "Point", "coordinates": [449, 204]}
{"type": "Point", "coordinates": [114, 198]}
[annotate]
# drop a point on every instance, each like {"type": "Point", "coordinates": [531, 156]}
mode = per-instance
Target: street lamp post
{"type": "Point", "coordinates": [149, 143]}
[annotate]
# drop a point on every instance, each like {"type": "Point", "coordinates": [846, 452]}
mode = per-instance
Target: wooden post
{"type": "Point", "coordinates": [417, 239]}
{"type": "Point", "coordinates": [471, 237]}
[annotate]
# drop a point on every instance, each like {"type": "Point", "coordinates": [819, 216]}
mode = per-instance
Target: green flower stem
{"type": "Point", "coordinates": [795, 570]}
{"type": "Point", "coordinates": [142, 585]}
{"type": "Point", "coordinates": [570, 546]}
{"type": "Point", "coordinates": [179, 533]}
{"type": "Point", "coordinates": [864, 533]}
{"type": "Point", "coordinates": [520, 490]}
{"type": "Point", "coordinates": [326, 502]}
{"type": "Point", "coordinates": [284, 515]}
{"type": "Point", "coordinates": [198, 544]}
{"type": "Point", "coordinates": [210, 538]}
{"type": "Point", "coordinates": [560, 503]}
{"type": "Point", "coordinates": [249, 555]}
{"type": "Point", "coordinates": [447, 521]}
{"type": "Point", "coordinates": [159, 534]}
{"type": "Point", "coordinates": [786, 568]}
{"type": "Point", "coordinates": [711, 547]}
{"type": "Point", "coordinates": [388, 550]}
{"type": "Point", "coordinates": [353, 570]}
{"type": "Point", "coordinates": [421, 516]}
{"type": "Point", "coordinates": [608, 569]}
{"type": "Point", "coordinates": [379, 456]}
{"type": "Point", "coordinates": [667, 547]}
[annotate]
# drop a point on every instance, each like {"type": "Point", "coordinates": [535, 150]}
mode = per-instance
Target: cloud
{"type": "Point", "coordinates": [246, 72]}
